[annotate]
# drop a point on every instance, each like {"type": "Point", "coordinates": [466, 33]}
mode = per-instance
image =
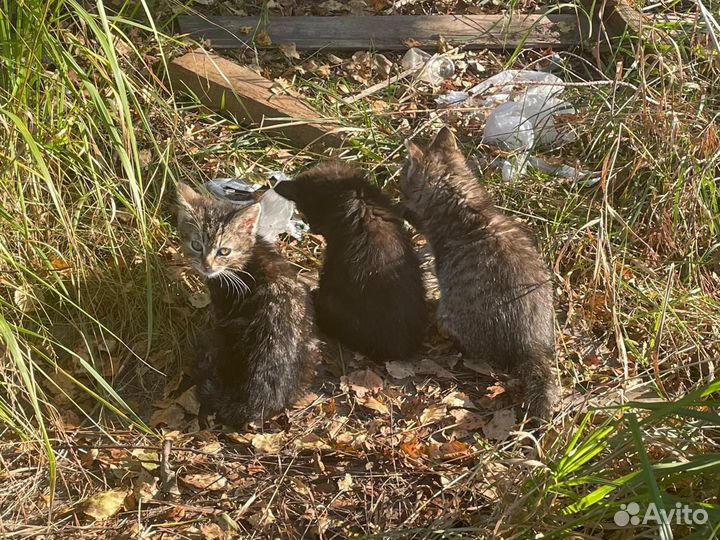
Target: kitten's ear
{"type": "Point", "coordinates": [287, 189]}
{"type": "Point", "coordinates": [188, 198]}
{"type": "Point", "coordinates": [414, 159]}
{"type": "Point", "coordinates": [414, 152]}
{"type": "Point", "coordinates": [245, 221]}
{"type": "Point", "coordinates": [444, 140]}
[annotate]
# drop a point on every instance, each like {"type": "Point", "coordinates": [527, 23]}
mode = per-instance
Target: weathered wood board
{"type": "Point", "coordinates": [221, 84]}
{"type": "Point", "coordinates": [393, 32]}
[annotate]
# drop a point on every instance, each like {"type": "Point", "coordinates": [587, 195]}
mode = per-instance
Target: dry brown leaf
{"type": "Point", "coordinates": [384, 66]}
{"type": "Point", "coordinates": [451, 450]}
{"type": "Point", "coordinates": [205, 481]}
{"type": "Point", "coordinates": [410, 43]}
{"type": "Point", "coordinates": [500, 425]}
{"type": "Point", "coordinates": [429, 367]}
{"type": "Point", "coordinates": [103, 505]}
{"type": "Point", "coordinates": [171, 417]}
{"type": "Point", "coordinates": [495, 390]}
{"type": "Point", "coordinates": [372, 403]}
{"type": "Point", "coordinates": [458, 399]}
{"type": "Point", "coordinates": [412, 449]}
{"type": "Point", "coordinates": [289, 50]}
{"type": "Point", "coordinates": [263, 39]}
{"type": "Point", "coordinates": [346, 483]}
{"type": "Point", "coordinates": [478, 366]}
{"type": "Point", "coordinates": [262, 519]}
{"type": "Point", "coordinates": [363, 381]}
{"type": "Point", "coordinates": [245, 29]}
{"type": "Point", "coordinates": [212, 531]}
{"type": "Point", "coordinates": [433, 413]}
{"type": "Point", "coordinates": [311, 441]}
{"type": "Point", "coordinates": [467, 420]}
{"type": "Point", "coordinates": [398, 369]}
{"type": "Point", "coordinates": [269, 443]}
{"type": "Point", "coordinates": [145, 486]}
{"type": "Point", "coordinates": [332, 6]}
{"type": "Point", "coordinates": [188, 401]}
{"type": "Point", "coordinates": [212, 447]}
{"type": "Point", "coordinates": [27, 299]}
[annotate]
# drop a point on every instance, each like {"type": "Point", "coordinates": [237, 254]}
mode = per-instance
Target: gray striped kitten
{"type": "Point", "coordinates": [260, 347]}
{"type": "Point", "coordinates": [496, 292]}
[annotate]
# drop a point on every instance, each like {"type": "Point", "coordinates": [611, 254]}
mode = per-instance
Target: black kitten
{"type": "Point", "coordinates": [371, 294]}
{"type": "Point", "coordinates": [261, 343]}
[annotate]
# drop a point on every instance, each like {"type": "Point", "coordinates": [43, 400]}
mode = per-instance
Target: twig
{"type": "Point", "coordinates": [655, 354]}
{"type": "Point", "coordinates": [168, 479]}
{"type": "Point", "coordinates": [379, 86]}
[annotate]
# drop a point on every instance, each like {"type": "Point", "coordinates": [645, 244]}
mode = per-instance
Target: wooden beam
{"type": "Point", "coordinates": [392, 32]}
{"type": "Point", "coordinates": [223, 85]}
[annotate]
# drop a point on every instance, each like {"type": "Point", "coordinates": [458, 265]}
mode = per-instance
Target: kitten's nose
{"type": "Point", "coordinates": [206, 265]}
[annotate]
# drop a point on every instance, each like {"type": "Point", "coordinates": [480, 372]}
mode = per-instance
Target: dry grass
{"type": "Point", "coordinates": [98, 310]}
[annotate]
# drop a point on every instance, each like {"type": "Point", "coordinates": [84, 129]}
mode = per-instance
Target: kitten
{"type": "Point", "coordinates": [371, 295]}
{"type": "Point", "coordinates": [496, 295]}
{"type": "Point", "coordinates": [261, 342]}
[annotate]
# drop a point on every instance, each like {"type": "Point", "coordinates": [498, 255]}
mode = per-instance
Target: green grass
{"type": "Point", "coordinates": [92, 142]}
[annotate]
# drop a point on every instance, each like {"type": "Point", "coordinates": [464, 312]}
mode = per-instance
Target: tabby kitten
{"type": "Point", "coordinates": [371, 295]}
{"type": "Point", "coordinates": [496, 292]}
{"type": "Point", "coordinates": [261, 342]}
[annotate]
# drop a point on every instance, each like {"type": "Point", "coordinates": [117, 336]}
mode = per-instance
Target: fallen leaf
{"type": "Point", "coordinates": [27, 299]}
{"type": "Point", "coordinates": [332, 6]}
{"type": "Point", "coordinates": [188, 400]}
{"type": "Point", "coordinates": [171, 417]}
{"type": "Point", "coordinates": [363, 381]}
{"type": "Point", "coordinates": [383, 65]}
{"type": "Point", "coordinates": [429, 367]}
{"type": "Point", "coordinates": [410, 43]}
{"type": "Point", "coordinates": [209, 481]}
{"type": "Point", "coordinates": [104, 505]}
{"type": "Point", "coordinates": [398, 369]}
{"type": "Point", "coordinates": [357, 7]}
{"type": "Point", "coordinates": [268, 443]}
{"type": "Point", "coordinates": [372, 403]}
{"type": "Point", "coordinates": [346, 483]}
{"type": "Point", "coordinates": [311, 441]}
{"type": "Point", "coordinates": [262, 518]}
{"type": "Point", "coordinates": [500, 425]}
{"type": "Point", "coordinates": [145, 486]}
{"type": "Point", "coordinates": [263, 39]}
{"type": "Point", "coordinates": [289, 50]}
{"type": "Point", "coordinates": [458, 399]}
{"type": "Point", "coordinates": [212, 447]}
{"type": "Point", "coordinates": [478, 366]}
{"type": "Point", "coordinates": [448, 450]}
{"type": "Point", "coordinates": [212, 531]}
{"type": "Point", "coordinates": [433, 413]}
{"type": "Point", "coordinates": [495, 390]}
{"type": "Point", "coordinates": [467, 420]}
{"type": "Point", "coordinates": [412, 449]}
{"type": "Point", "coordinates": [199, 299]}
{"type": "Point", "coordinates": [245, 29]}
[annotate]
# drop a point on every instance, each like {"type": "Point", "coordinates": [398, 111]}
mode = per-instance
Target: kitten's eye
{"type": "Point", "coordinates": [223, 252]}
{"type": "Point", "coordinates": [197, 246]}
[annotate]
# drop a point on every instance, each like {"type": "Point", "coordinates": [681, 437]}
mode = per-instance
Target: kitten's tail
{"type": "Point", "coordinates": [541, 392]}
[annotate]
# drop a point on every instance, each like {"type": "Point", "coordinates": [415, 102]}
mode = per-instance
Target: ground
{"type": "Point", "coordinates": [101, 310]}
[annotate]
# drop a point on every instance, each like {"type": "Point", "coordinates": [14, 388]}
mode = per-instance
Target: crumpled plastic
{"type": "Point", "coordinates": [278, 214]}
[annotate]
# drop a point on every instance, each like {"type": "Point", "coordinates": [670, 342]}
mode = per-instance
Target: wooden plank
{"type": "Point", "coordinates": [223, 85]}
{"type": "Point", "coordinates": [393, 32]}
